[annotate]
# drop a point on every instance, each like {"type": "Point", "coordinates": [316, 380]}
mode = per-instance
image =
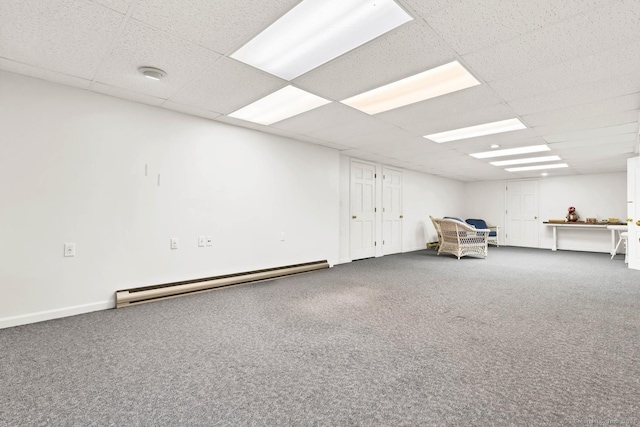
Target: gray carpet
{"type": "Point", "coordinates": [526, 337]}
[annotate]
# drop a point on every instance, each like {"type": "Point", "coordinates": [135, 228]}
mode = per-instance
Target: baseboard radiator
{"type": "Point", "coordinates": [145, 294]}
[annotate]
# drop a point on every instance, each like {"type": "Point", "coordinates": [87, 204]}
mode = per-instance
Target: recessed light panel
{"type": "Point", "coordinates": [511, 151]}
{"type": "Point", "coordinates": [527, 160]}
{"type": "Point", "coordinates": [282, 104]}
{"type": "Point", "coordinates": [537, 167]}
{"type": "Point", "coordinates": [478, 130]}
{"type": "Point", "coordinates": [429, 84]}
{"type": "Point", "coordinates": [317, 31]}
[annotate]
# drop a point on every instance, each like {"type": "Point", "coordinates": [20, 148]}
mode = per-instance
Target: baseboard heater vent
{"type": "Point", "coordinates": [145, 294]}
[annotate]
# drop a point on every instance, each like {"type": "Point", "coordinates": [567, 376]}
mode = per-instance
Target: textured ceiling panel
{"type": "Point", "coordinates": [593, 68]}
{"type": "Point", "coordinates": [342, 133]}
{"type": "Point", "coordinates": [488, 23]}
{"type": "Point", "coordinates": [594, 133]}
{"type": "Point", "coordinates": [65, 36]}
{"type": "Point", "coordinates": [580, 94]}
{"type": "Point", "coordinates": [125, 94]}
{"type": "Point", "coordinates": [188, 109]}
{"type": "Point", "coordinates": [610, 27]}
{"type": "Point", "coordinates": [325, 117]}
{"type": "Point", "coordinates": [43, 73]}
{"type": "Point", "coordinates": [568, 69]}
{"type": "Point", "coordinates": [141, 45]}
{"type": "Point", "coordinates": [465, 100]}
{"type": "Point", "coordinates": [243, 85]}
{"type": "Point", "coordinates": [118, 5]}
{"type": "Point", "coordinates": [375, 64]}
{"type": "Point", "coordinates": [590, 124]}
{"type": "Point", "coordinates": [222, 26]}
{"type": "Point", "coordinates": [592, 109]}
{"type": "Point", "coordinates": [446, 122]}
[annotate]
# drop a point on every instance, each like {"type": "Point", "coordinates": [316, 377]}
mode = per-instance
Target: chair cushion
{"type": "Point", "coordinates": [453, 217]}
{"type": "Point", "coordinates": [478, 223]}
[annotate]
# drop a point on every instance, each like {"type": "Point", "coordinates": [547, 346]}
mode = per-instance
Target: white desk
{"type": "Point", "coordinates": [613, 228]}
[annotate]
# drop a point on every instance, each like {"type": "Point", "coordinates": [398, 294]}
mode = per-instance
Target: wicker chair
{"type": "Point", "coordinates": [461, 239]}
{"type": "Point", "coordinates": [437, 227]}
{"type": "Point", "coordinates": [494, 235]}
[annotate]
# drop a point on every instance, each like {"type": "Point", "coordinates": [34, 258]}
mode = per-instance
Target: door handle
{"type": "Point", "coordinates": [638, 223]}
{"type": "Point", "coordinates": [354, 217]}
{"type": "Point", "coordinates": [401, 216]}
{"type": "Point", "coordinates": [535, 217]}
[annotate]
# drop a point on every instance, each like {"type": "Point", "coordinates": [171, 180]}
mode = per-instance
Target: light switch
{"type": "Point", "coordinates": [209, 240]}
{"type": "Point", "coordinates": [201, 241]}
{"type": "Point", "coordinates": [174, 243]}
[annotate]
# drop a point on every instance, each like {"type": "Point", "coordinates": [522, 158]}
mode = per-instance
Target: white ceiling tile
{"type": "Point", "coordinates": [243, 85]}
{"type": "Point", "coordinates": [455, 103]}
{"type": "Point", "coordinates": [222, 26]}
{"type": "Point", "coordinates": [588, 69]}
{"type": "Point", "coordinates": [582, 35]}
{"type": "Point", "coordinates": [414, 45]}
{"type": "Point", "coordinates": [189, 109]}
{"type": "Point", "coordinates": [590, 124]}
{"type": "Point", "coordinates": [580, 94]}
{"type": "Point", "coordinates": [141, 45]}
{"type": "Point", "coordinates": [471, 25]}
{"type": "Point", "coordinates": [326, 117]}
{"type": "Point", "coordinates": [392, 137]}
{"type": "Point", "coordinates": [342, 133]}
{"type": "Point", "coordinates": [125, 94]}
{"type": "Point", "coordinates": [118, 5]}
{"type": "Point", "coordinates": [424, 9]}
{"type": "Point", "coordinates": [593, 133]}
{"type": "Point", "coordinates": [444, 122]}
{"type": "Point", "coordinates": [584, 141]}
{"type": "Point", "coordinates": [65, 36]}
{"type": "Point", "coordinates": [592, 109]}
{"type": "Point", "coordinates": [44, 74]}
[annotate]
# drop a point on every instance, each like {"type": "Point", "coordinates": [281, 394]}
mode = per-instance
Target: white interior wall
{"type": "Point", "coordinates": [73, 170]}
{"type": "Point", "coordinates": [598, 196]}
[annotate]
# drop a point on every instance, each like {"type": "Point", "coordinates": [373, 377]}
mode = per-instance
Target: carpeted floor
{"type": "Point", "coordinates": [527, 337]}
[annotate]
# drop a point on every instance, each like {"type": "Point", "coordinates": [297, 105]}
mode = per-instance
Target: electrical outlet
{"type": "Point", "coordinates": [174, 243]}
{"type": "Point", "coordinates": [282, 236]}
{"type": "Point", "coordinates": [209, 240]}
{"type": "Point", "coordinates": [201, 241]}
{"type": "Point", "coordinates": [69, 249]}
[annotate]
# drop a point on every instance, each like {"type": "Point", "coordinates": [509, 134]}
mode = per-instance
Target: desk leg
{"type": "Point", "coordinates": [613, 243]}
{"type": "Point", "coordinates": [555, 239]}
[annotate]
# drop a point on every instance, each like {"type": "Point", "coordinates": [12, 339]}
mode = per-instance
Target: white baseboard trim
{"type": "Point", "coordinates": [23, 319]}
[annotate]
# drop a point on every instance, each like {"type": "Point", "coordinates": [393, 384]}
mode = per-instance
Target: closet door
{"type": "Point", "coordinates": [363, 210]}
{"type": "Point", "coordinates": [391, 211]}
{"type": "Point", "coordinates": [522, 214]}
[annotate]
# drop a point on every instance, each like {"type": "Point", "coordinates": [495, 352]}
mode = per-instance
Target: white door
{"type": "Point", "coordinates": [633, 212]}
{"type": "Point", "coordinates": [363, 210]}
{"type": "Point", "coordinates": [391, 211]}
{"type": "Point", "coordinates": [522, 223]}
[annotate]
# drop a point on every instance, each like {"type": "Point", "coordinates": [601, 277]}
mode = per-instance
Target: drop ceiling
{"type": "Point", "coordinates": [568, 70]}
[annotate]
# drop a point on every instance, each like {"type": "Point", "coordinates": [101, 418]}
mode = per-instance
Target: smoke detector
{"type": "Point", "coordinates": [152, 73]}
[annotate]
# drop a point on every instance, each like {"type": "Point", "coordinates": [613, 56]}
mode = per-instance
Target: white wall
{"type": "Point", "coordinates": [73, 170]}
{"type": "Point", "coordinates": [594, 196]}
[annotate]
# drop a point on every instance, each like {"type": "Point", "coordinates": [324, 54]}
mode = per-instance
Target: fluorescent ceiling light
{"type": "Point", "coordinates": [527, 160]}
{"type": "Point", "coordinates": [537, 167]}
{"type": "Point", "coordinates": [511, 151]}
{"type": "Point", "coordinates": [438, 81]}
{"type": "Point", "coordinates": [478, 130]}
{"type": "Point", "coordinates": [317, 31]}
{"type": "Point", "coordinates": [282, 104]}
